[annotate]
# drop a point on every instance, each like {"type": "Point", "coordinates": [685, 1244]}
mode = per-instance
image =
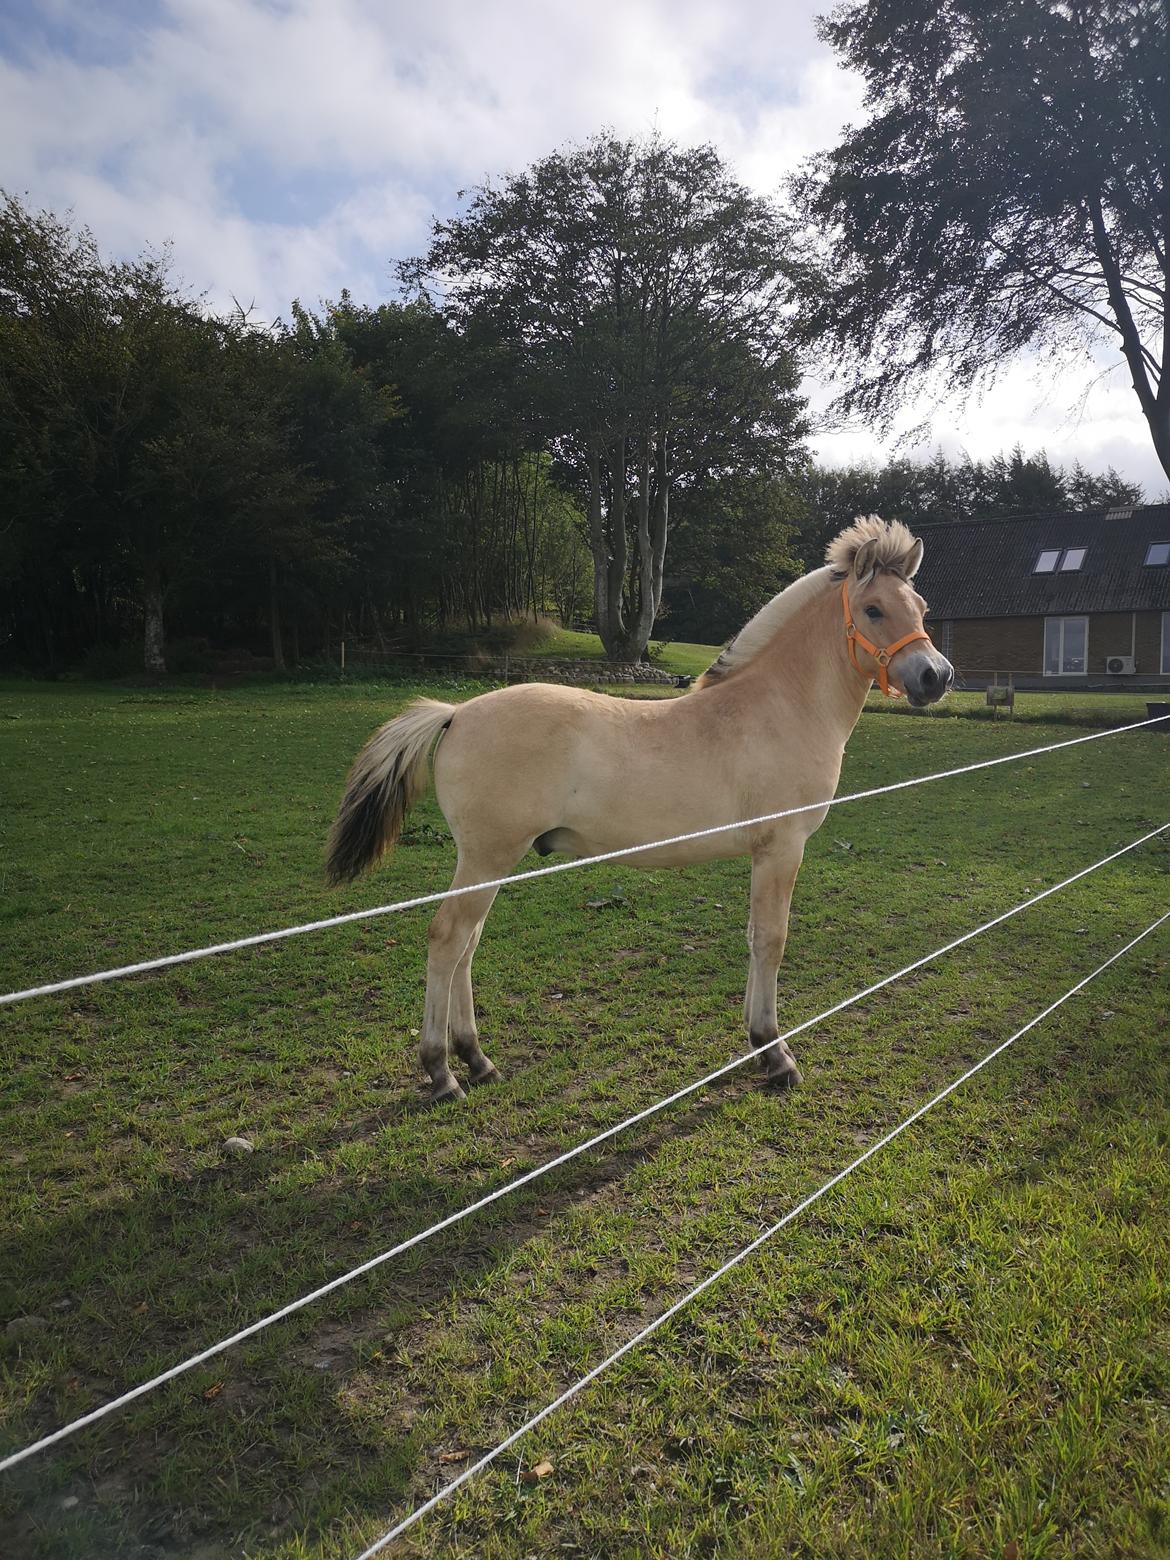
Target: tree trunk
{"type": "Point", "coordinates": [154, 639]}
{"type": "Point", "coordinates": [599, 546]}
{"type": "Point", "coordinates": [1154, 402]}
{"type": "Point", "coordinates": [274, 618]}
{"type": "Point", "coordinates": [653, 514]}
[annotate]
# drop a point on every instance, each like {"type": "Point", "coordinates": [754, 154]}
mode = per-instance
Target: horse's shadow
{"type": "Point", "coordinates": [123, 1468]}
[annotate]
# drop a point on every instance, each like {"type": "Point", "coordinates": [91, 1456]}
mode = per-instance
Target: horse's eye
{"type": "Point", "coordinates": [873, 612]}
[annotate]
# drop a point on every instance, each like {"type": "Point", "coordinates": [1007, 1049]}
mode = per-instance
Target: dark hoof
{"type": "Point", "coordinates": [453, 1093]}
{"type": "Point", "coordinates": [490, 1074]}
{"type": "Point", "coordinates": [779, 1082]}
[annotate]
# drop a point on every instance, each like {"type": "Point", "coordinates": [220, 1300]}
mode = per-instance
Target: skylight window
{"type": "Point", "coordinates": [1159, 552]}
{"type": "Point", "coordinates": [1065, 560]}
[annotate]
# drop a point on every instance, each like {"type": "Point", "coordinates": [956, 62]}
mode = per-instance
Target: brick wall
{"type": "Point", "coordinates": [981, 645]}
{"type": "Point", "coordinates": [998, 645]}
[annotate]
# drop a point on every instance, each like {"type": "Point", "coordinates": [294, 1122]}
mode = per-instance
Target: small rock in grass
{"type": "Point", "coordinates": [238, 1146]}
{"type": "Point", "coordinates": [70, 1501]}
{"type": "Point", "coordinates": [21, 1328]}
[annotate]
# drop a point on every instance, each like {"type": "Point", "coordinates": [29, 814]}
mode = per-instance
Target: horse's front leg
{"type": "Point", "coordinates": [773, 876]}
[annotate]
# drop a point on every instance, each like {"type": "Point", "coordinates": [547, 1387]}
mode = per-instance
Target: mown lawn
{"type": "Point", "coordinates": [964, 1350]}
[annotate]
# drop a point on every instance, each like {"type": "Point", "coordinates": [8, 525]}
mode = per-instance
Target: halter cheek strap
{"type": "Point", "coordinates": [883, 655]}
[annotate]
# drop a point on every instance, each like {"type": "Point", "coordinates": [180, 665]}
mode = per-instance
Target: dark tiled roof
{"type": "Point", "coordinates": [984, 568]}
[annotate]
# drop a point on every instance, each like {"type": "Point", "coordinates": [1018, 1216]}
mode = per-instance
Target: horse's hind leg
{"type": "Point", "coordinates": [461, 1022]}
{"type": "Point", "coordinates": [452, 938]}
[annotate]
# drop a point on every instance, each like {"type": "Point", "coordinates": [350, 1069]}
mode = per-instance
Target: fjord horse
{"type": "Point", "coordinates": [561, 769]}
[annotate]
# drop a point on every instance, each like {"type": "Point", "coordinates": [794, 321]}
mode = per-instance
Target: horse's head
{"type": "Point", "coordinates": [876, 560]}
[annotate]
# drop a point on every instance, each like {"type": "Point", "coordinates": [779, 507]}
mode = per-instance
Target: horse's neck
{"type": "Point", "coordinates": [805, 669]}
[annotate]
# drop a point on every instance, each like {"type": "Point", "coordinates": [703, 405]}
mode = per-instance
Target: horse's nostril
{"type": "Point", "coordinates": [929, 677]}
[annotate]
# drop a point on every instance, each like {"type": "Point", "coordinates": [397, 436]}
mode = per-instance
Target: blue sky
{"type": "Point", "coordinates": [292, 149]}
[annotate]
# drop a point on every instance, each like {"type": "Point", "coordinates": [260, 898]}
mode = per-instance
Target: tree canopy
{"type": "Point", "coordinates": [642, 294]}
{"type": "Point", "coordinates": [188, 480]}
{"type": "Point", "coordinates": [1009, 189]}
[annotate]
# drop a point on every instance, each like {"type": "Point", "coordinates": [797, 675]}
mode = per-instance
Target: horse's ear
{"type": "Point", "coordinates": [865, 561]}
{"type": "Point", "coordinates": [912, 560]}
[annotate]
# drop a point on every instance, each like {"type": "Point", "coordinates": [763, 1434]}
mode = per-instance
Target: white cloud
{"type": "Point", "coordinates": [292, 149]}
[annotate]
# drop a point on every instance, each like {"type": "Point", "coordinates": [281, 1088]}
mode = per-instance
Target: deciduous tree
{"type": "Point", "coordinates": [1009, 188]}
{"type": "Point", "coordinates": [642, 291]}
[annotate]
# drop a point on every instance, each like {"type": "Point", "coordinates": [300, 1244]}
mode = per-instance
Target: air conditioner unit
{"type": "Point", "coordinates": [1119, 665]}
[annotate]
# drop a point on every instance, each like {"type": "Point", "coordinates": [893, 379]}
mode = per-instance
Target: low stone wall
{"type": "Point", "coordinates": [528, 669]}
{"type": "Point", "coordinates": [518, 668]}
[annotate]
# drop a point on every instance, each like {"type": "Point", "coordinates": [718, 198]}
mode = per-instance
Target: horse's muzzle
{"type": "Point", "coordinates": [927, 677]}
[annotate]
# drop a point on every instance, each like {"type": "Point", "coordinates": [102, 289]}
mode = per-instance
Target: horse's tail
{"type": "Point", "coordinates": [388, 777]}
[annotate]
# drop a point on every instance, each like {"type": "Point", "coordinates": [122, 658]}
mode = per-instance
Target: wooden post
{"type": "Point", "coordinates": [343, 655]}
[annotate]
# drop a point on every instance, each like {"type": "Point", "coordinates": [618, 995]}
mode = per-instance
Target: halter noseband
{"type": "Point", "coordinates": [883, 657]}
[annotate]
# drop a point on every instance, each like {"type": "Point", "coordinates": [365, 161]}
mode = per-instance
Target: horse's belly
{"type": "Point", "coordinates": [681, 850]}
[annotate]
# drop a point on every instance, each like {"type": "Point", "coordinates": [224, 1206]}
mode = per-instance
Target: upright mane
{"type": "Point", "coordinates": [757, 631]}
{"type": "Point", "coordinates": [893, 544]}
{"type": "Point", "coordinates": [892, 547]}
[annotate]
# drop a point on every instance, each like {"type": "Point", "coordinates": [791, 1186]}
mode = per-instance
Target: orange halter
{"type": "Point", "coordinates": [883, 657]}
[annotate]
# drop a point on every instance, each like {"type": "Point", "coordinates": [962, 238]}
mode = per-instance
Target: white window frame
{"type": "Point", "coordinates": [1073, 618]}
{"type": "Point", "coordinates": [1166, 644]}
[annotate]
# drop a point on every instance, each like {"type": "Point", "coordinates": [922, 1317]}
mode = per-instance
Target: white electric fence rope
{"type": "Point", "coordinates": [259, 938]}
{"type": "Point", "coordinates": [740, 1256]}
{"type": "Point", "coordinates": [553, 1164]}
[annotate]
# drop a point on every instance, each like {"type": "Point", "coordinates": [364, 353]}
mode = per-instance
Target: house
{"type": "Point", "coordinates": [1058, 600]}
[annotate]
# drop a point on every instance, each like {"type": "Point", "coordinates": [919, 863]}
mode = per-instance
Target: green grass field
{"type": "Point", "coordinates": [964, 1350]}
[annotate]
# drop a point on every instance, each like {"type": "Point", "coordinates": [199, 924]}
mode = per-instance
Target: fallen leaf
{"type": "Point", "coordinates": [1011, 1550]}
{"type": "Point", "coordinates": [504, 1163]}
{"type": "Point", "coordinates": [450, 1457]}
{"type": "Point", "coordinates": [141, 1308]}
{"type": "Point", "coordinates": [213, 1392]}
{"type": "Point", "coordinates": [534, 1475]}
